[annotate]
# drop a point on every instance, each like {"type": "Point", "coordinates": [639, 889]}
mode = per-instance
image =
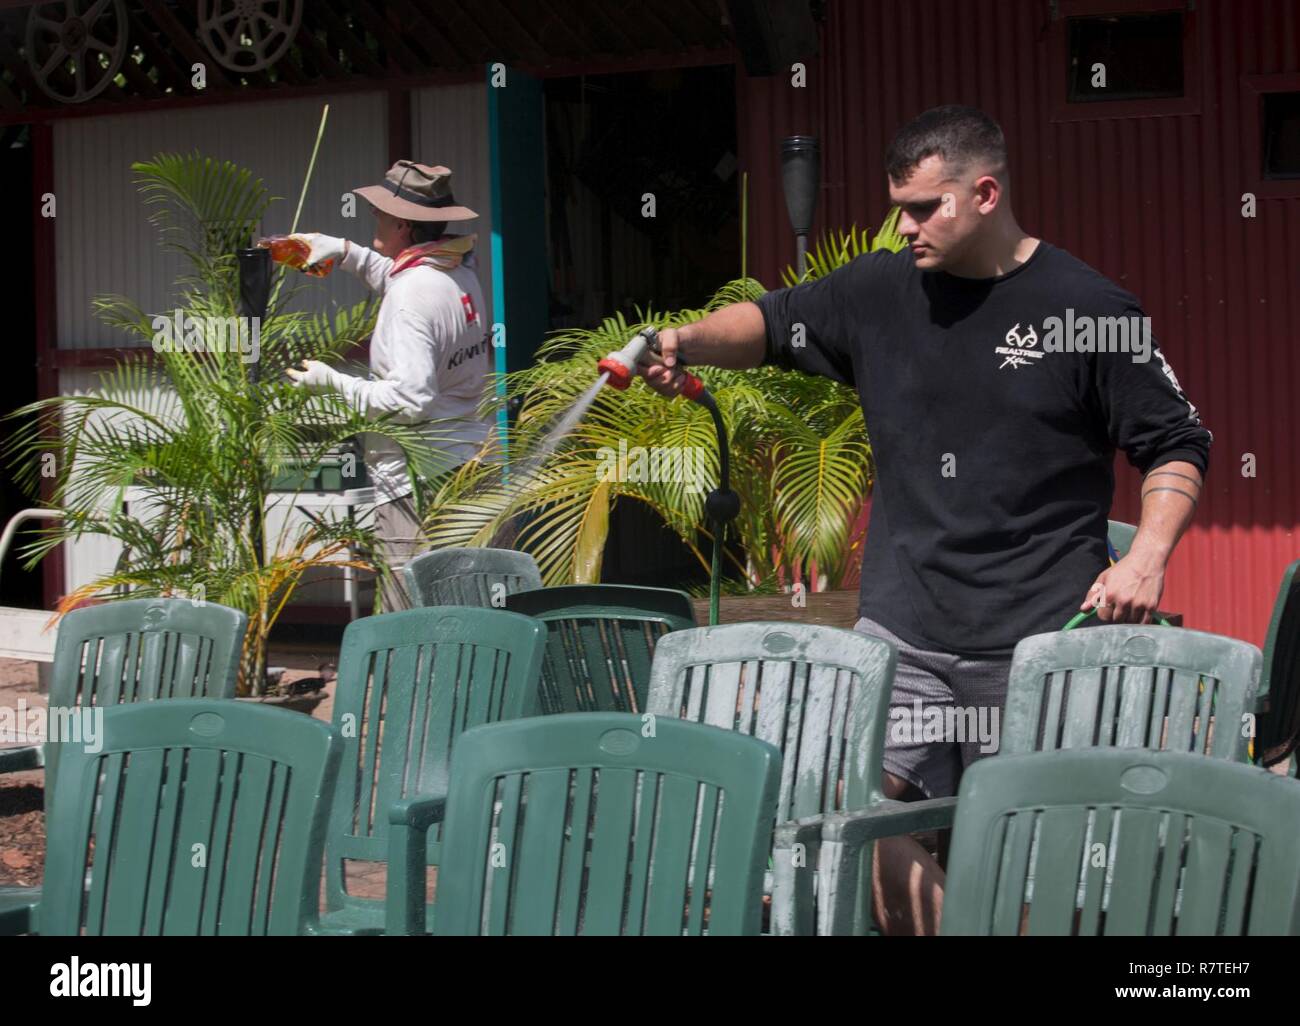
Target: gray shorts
{"type": "Point", "coordinates": [944, 713]}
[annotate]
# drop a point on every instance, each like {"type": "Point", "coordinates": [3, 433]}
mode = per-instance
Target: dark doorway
{"type": "Point", "coordinates": [18, 587]}
{"type": "Point", "coordinates": [611, 141]}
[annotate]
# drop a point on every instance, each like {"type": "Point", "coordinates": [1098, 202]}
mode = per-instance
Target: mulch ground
{"type": "Point", "coordinates": [22, 829]}
{"type": "Point", "coordinates": [22, 812]}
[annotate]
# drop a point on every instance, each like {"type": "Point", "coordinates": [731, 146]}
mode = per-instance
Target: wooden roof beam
{"type": "Point", "coordinates": [398, 51]}
{"type": "Point", "coordinates": [357, 51]}
{"type": "Point", "coordinates": [531, 50]}
{"type": "Point", "coordinates": [583, 46]}
{"type": "Point", "coordinates": [455, 21]}
{"type": "Point", "coordinates": [327, 63]}
{"type": "Point", "coordinates": [415, 16]}
{"type": "Point", "coordinates": [186, 43]}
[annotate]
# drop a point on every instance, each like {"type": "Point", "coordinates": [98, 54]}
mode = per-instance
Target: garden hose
{"type": "Point", "coordinates": [1113, 555]}
{"type": "Point", "coordinates": [1078, 618]}
{"type": "Point", "coordinates": [722, 505]}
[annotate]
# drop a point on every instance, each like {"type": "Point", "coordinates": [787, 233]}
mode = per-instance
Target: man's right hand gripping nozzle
{"type": "Point", "coordinates": [661, 368]}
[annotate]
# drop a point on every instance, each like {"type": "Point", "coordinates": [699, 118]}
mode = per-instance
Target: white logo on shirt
{"type": "Point", "coordinates": [1192, 412]}
{"type": "Point", "coordinates": [1024, 344]}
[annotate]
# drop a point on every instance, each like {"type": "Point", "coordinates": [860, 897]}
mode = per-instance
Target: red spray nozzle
{"type": "Point", "coordinates": [620, 375]}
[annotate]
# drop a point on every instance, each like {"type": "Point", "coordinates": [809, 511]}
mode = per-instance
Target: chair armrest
{"type": "Point", "coordinates": [838, 840]}
{"type": "Point", "coordinates": [409, 820]}
{"type": "Point", "coordinates": [889, 819]}
{"type": "Point", "coordinates": [18, 908]}
{"type": "Point", "coordinates": [886, 818]}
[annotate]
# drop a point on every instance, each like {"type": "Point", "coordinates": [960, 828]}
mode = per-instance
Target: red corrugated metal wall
{"type": "Point", "coordinates": [1152, 202]}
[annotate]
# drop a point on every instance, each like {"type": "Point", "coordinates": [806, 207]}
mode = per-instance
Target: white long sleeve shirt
{"type": "Point", "coordinates": [430, 358]}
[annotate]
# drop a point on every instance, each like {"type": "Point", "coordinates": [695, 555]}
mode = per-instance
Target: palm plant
{"type": "Point", "coordinates": [835, 249]}
{"type": "Point", "coordinates": [200, 436]}
{"type": "Point", "coordinates": [801, 462]}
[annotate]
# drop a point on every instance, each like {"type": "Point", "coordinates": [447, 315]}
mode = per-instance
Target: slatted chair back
{"type": "Point", "coordinates": [1132, 686]}
{"type": "Point", "coordinates": [583, 824]}
{"type": "Point", "coordinates": [601, 642]}
{"type": "Point", "coordinates": [192, 816]}
{"type": "Point", "coordinates": [469, 576]}
{"type": "Point", "coordinates": [1123, 842]}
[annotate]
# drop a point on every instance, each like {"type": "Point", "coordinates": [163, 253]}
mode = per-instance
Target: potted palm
{"type": "Point", "coordinates": [801, 460]}
{"type": "Point", "coordinates": [175, 454]}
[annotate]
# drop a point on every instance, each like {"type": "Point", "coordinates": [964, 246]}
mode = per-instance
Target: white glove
{"type": "Point", "coordinates": [323, 247]}
{"type": "Point", "coordinates": [317, 377]}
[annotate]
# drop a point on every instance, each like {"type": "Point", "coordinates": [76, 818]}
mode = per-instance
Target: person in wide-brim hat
{"type": "Point", "coordinates": [430, 357]}
{"type": "Point", "coordinates": [416, 192]}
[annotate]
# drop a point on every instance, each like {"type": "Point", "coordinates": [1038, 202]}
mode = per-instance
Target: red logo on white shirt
{"type": "Point", "coordinates": [471, 315]}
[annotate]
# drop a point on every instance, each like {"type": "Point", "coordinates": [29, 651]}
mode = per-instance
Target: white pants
{"type": "Point", "coordinates": [397, 531]}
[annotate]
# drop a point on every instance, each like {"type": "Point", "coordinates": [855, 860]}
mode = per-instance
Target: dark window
{"type": "Point", "coordinates": [1282, 135]}
{"type": "Point", "coordinates": [1142, 55]}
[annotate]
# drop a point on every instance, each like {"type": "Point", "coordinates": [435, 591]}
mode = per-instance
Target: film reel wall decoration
{"type": "Point", "coordinates": [75, 47]}
{"type": "Point", "coordinates": [248, 35]}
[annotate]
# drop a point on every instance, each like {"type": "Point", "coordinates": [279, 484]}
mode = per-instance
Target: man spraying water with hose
{"type": "Point", "coordinates": [998, 376]}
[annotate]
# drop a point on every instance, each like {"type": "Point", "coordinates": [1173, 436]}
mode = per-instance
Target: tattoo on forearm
{"type": "Point", "coordinates": [1178, 491]}
{"type": "Point", "coordinates": [1173, 473]}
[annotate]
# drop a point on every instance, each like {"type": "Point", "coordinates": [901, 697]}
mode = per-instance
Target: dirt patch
{"type": "Point", "coordinates": [22, 829]}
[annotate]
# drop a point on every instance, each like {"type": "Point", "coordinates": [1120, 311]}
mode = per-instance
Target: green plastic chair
{"type": "Point", "coordinates": [469, 577]}
{"type": "Point", "coordinates": [1132, 686]}
{"type": "Point", "coordinates": [674, 842]}
{"type": "Point", "coordinates": [195, 817]}
{"type": "Point", "coordinates": [1279, 689]}
{"type": "Point", "coordinates": [1123, 842]}
{"type": "Point", "coordinates": [601, 642]}
{"type": "Point", "coordinates": [131, 650]}
{"type": "Point", "coordinates": [1121, 536]}
{"type": "Point", "coordinates": [1119, 685]}
{"type": "Point", "coordinates": [409, 683]}
{"type": "Point", "coordinates": [820, 695]}
{"type": "Point", "coordinates": [136, 650]}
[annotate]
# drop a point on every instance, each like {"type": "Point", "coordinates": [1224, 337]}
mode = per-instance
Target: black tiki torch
{"type": "Point", "coordinates": [801, 176]}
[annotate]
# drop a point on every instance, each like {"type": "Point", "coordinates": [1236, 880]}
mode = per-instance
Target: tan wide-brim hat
{"type": "Point", "coordinates": [416, 192]}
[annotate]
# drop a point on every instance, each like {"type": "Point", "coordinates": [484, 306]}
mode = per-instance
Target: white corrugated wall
{"type": "Point", "coordinates": [103, 236]}
{"type": "Point", "coordinates": [449, 127]}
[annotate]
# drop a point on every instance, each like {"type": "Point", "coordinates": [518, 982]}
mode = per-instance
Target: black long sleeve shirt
{"type": "Point", "coordinates": [994, 448]}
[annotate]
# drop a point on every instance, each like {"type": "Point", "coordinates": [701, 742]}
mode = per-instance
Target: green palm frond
{"type": "Point", "coordinates": [836, 249]}
{"type": "Point", "coordinates": [789, 433]}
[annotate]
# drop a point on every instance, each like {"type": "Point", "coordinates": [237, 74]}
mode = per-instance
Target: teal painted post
{"type": "Point", "coordinates": [519, 263]}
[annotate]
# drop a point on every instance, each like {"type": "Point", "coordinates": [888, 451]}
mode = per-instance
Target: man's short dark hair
{"type": "Point", "coordinates": [962, 136]}
{"type": "Point", "coordinates": [427, 231]}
